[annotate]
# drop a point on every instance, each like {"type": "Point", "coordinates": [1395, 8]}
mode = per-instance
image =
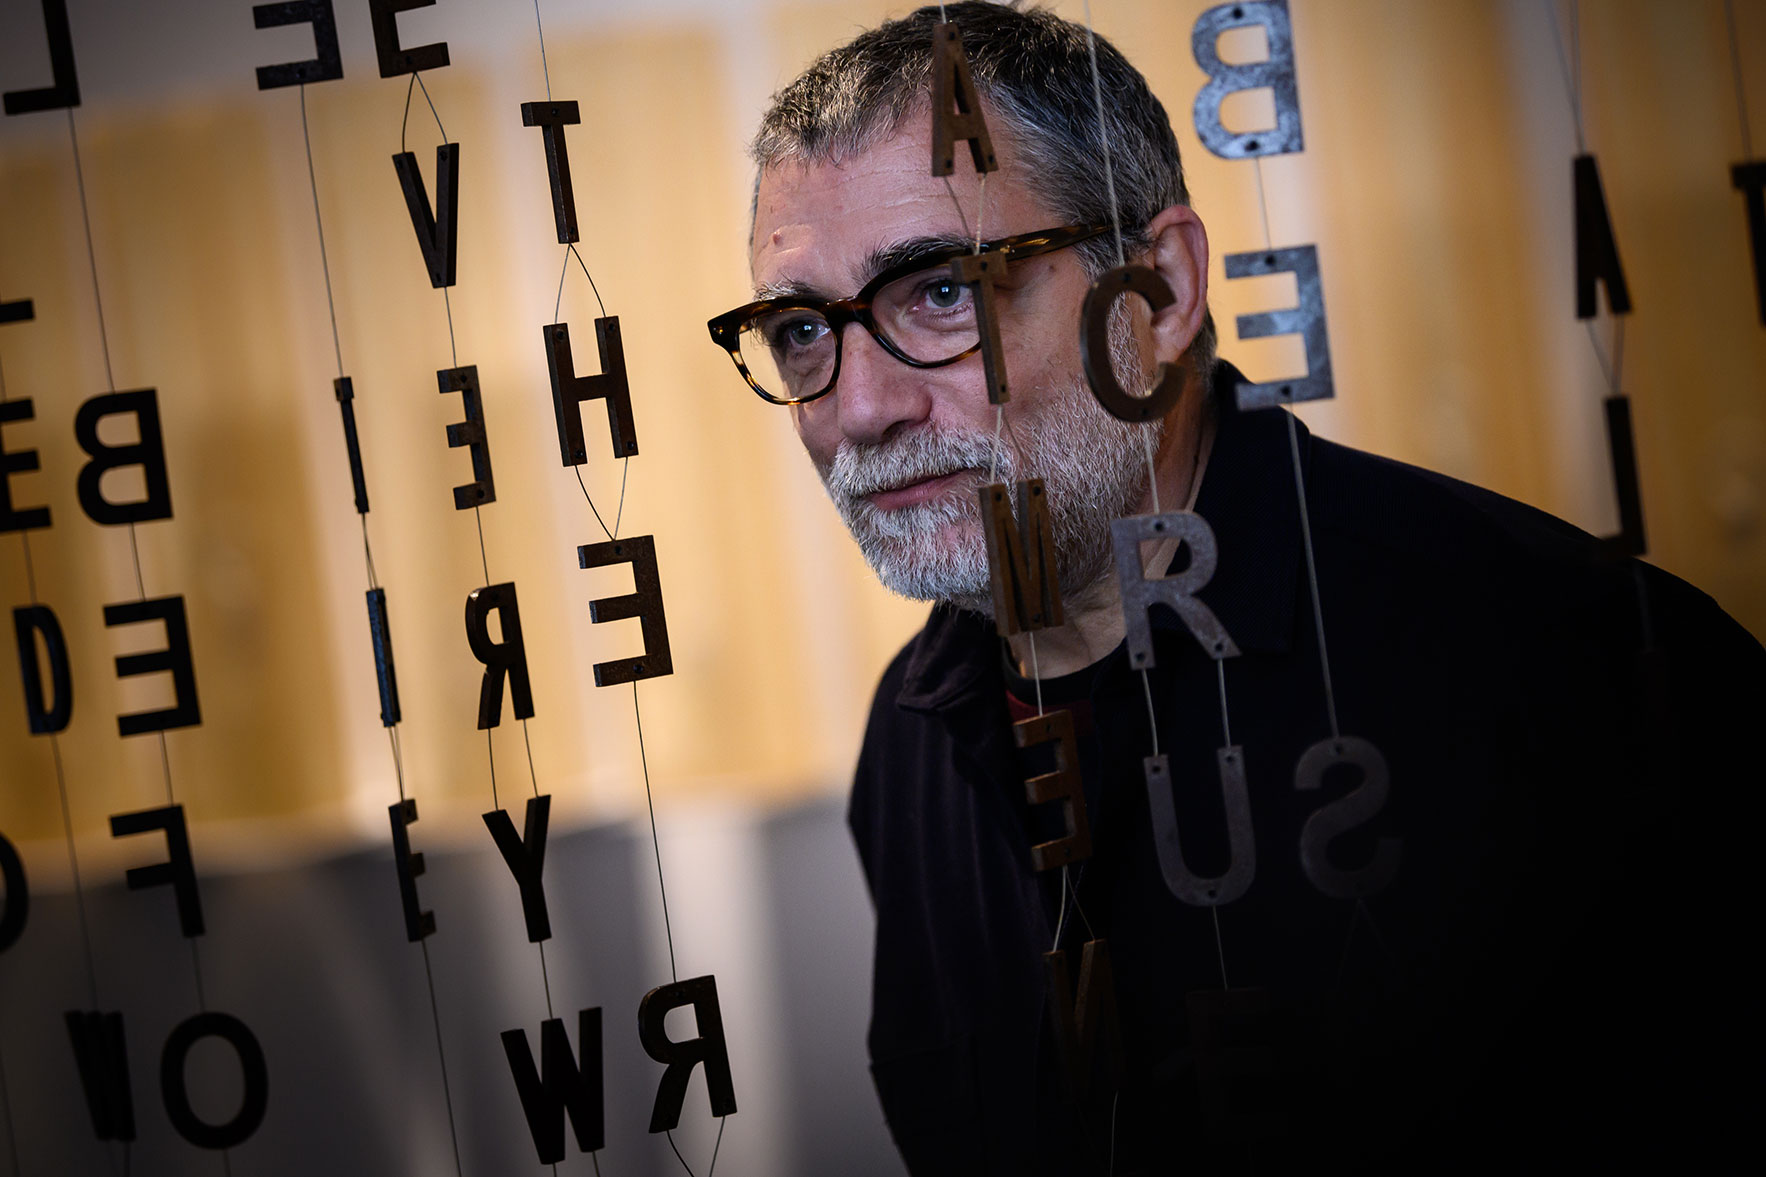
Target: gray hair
{"type": "Point", "coordinates": [1033, 70]}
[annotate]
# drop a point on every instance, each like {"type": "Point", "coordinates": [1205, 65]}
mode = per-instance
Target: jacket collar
{"type": "Point", "coordinates": [1247, 497]}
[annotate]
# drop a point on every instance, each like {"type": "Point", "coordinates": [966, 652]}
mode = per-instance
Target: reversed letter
{"type": "Point", "coordinates": [1597, 251]}
{"type": "Point", "coordinates": [1095, 352]}
{"type": "Point", "coordinates": [681, 1057]}
{"type": "Point", "coordinates": [17, 462]}
{"type": "Point", "coordinates": [1175, 592]}
{"type": "Point", "coordinates": [254, 1078]}
{"type": "Point", "coordinates": [1274, 73]}
{"type": "Point", "coordinates": [644, 602]}
{"type": "Point", "coordinates": [44, 717]}
{"type": "Point", "coordinates": [185, 710]}
{"type": "Point", "coordinates": [419, 924]}
{"type": "Point", "coordinates": [1063, 785]}
{"type": "Point", "coordinates": [148, 452]}
{"type": "Point", "coordinates": [65, 92]}
{"type": "Point", "coordinates": [560, 1086]}
{"type": "Point", "coordinates": [1307, 320]}
{"type": "Point", "coordinates": [469, 433]}
{"type": "Point", "coordinates": [179, 869]}
{"type": "Point", "coordinates": [1361, 805]}
{"type": "Point", "coordinates": [1021, 558]}
{"type": "Point", "coordinates": [551, 118]}
{"type": "Point", "coordinates": [508, 656]}
{"type": "Point", "coordinates": [956, 107]}
{"type": "Point", "coordinates": [569, 391]}
{"type": "Point", "coordinates": [101, 1052]}
{"type": "Point", "coordinates": [395, 59]}
{"type": "Point", "coordinates": [438, 232]}
{"type": "Point", "coordinates": [526, 857]}
{"type": "Point", "coordinates": [325, 64]}
{"type": "Point", "coordinates": [1241, 843]}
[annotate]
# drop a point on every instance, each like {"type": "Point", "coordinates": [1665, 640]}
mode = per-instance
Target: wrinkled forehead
{"type": "Point", "coordinates": [826, 225]}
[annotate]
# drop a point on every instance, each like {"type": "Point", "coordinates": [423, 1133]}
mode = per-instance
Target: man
{"type": "Point", "coordinates": [1439, 865]}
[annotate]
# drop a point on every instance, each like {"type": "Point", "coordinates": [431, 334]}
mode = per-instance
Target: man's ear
{"type": "Point", "coordinates": [1180, 256]}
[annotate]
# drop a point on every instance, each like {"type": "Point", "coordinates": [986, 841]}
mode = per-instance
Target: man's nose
{"type": "Point", "coordinates": [876, 393]}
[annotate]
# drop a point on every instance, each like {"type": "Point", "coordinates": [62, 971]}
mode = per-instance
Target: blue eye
{"type": "Point", "coordinates": [943, 294]}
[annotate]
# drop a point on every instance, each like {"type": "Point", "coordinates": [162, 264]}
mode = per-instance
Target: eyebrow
{"type": "Point", "coordinates": [885, 257]}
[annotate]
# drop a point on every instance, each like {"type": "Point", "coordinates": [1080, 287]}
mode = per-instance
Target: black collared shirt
{"type": "Point", "coordinates": [1553, 973]}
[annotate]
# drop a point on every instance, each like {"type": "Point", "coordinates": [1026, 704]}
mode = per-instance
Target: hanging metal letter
{"type": "Point", "coordinates": [326, 62]}
{"type": "Point", "coordinates": [1021, 558]}
{"type": "Point", "coordinates": [1329, 822]}
{"type": "Point", "coordinates": [1088, 1032]}
{"type": "Point", "coordinates": [438, 232]}
{"type": "Point", "coordinates": [979, 271]}
{"type": "Point", "coordinates": [551, 118]}
{"type": "Point", "coordinates": [1274, 73]}
{"type": "Point", "coordinates": [395, 59]}
{"type": "Point", "coordinates": [1623, 451]}
{"type": "Point", "coordinates": [1095, 351]}
{"type": "Point", "coordinates": [65, 92]}
{"type": "Point", "coordinates": [1597, 250]}
{"type": "Point", "coordinates": [1176, 592]}
{"type": "Point", "coordinates": [17, 462]}
{"type": "Point", "coordinates": [470, 434]}
{"type": "Point", "coordinates": [644, 602]}
{"type": "Point", "coordinates": [1750, 180]}
{"type": "Point", "coordinates": [1307, 319]}
{"type": "Point", "coordinates": [956, 107]}
{"type": "Point", "coordinates": [1242, 844]}
{"type": "Point", "coordinates": [345, 391]}
{"type": "Point", "coordinates": [1063, 785]}
{"type": "Point", "coordinates": [569, 391]}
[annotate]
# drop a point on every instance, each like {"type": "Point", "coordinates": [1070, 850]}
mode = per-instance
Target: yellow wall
{"type": "Point", "coordinates": [1435, 184]}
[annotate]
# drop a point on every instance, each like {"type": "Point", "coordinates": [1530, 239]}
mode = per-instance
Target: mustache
{"type": "Point", "coordinates": [928, 452]}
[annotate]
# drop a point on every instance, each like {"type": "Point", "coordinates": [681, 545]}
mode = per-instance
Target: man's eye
{"type": "Point", "coordinates": [943, 294]}
{"type": "Point", "coordinates": [797, 334]}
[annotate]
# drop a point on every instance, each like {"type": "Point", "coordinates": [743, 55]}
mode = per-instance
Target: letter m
{"type": "Point", "coordinates": [1021, 558]}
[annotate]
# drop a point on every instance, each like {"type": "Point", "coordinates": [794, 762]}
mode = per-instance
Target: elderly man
{"type": "Point", "coordinates": [1417, 860]}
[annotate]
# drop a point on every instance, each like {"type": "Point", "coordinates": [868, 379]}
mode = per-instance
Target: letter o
{"type": "Point", "coordinates": [1094, 345]}
{"type": "Point", "coordinates": [254, 1073]}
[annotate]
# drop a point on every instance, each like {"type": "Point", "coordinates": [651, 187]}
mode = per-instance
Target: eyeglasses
{"type": "Point", "coordinates": [788, 349]}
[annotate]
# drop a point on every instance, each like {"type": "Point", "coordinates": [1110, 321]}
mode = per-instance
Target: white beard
{"type": "Point", "coordinates": [1093, 466]}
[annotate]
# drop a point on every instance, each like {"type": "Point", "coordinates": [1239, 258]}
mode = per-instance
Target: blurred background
{"type": "Point", "coordinates": [1435, 184]}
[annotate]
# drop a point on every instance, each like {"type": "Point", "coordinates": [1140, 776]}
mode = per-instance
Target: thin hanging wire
{"type": "Point", "coordinates": [541, 29]}
{"type": "Point", "coordinates": [1097, 90]}
{"type": "Point", "coordinates": [441, 1054]}
{"type": "Point", "coordinates": [1741, 96]}
{"type": "Point", "coordinates": [134, 544]}
{"type": "Point", "coordinates": [319, 224]}
{"type": "Point", "coordinates": [1571, 67]}
{"type": "Point", "coordinates": [67, 824]}
{"type": "Point", "coordinates": [655, 842]}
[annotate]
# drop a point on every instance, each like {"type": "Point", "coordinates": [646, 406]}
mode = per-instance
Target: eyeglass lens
{"type": "Point", "coordinates": [791, 352]}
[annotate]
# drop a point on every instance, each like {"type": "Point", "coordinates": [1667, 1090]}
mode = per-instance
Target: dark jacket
{"type": "Point", "coordinates": [1552, 977]}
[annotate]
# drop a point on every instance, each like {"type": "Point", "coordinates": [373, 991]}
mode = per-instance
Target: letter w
{"type": "Point", "coordinates": [560, 1086]}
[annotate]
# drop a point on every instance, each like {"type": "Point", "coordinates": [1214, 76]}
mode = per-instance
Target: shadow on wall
{"type": "Point", "coordinates": [315, 961]}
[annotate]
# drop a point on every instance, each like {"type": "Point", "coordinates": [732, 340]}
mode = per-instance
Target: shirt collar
{"type": "Point", "coordinates": [1247, 498]}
